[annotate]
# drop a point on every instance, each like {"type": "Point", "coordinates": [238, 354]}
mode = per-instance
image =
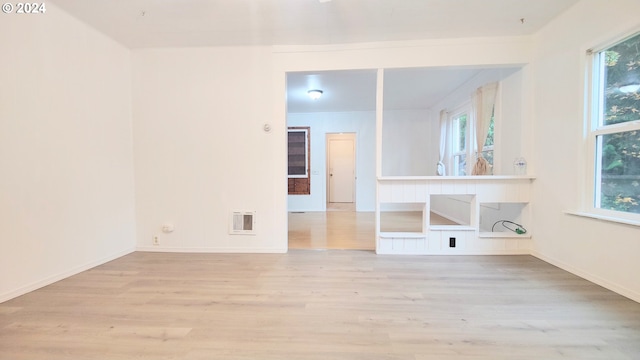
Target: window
{"type": "Point", "coordinates": [459, 141]}
{"type": "Point", "coordinates": [298, 181]}
{"type": "Point", "coordinates": [614, 135]}
{"type": "Point", "coordinates": [462, 140]}
{"type": "Point", "coordinates": [487, 149]}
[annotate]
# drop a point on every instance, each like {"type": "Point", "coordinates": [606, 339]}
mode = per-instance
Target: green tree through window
{"type": "Point", "coordinates": [618, 147]}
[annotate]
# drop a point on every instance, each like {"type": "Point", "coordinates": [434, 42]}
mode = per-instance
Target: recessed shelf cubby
{"type": "Point", "coordinates": [504, 220]}
{"type": "Point", "coordinates": [406, 218]}
{"type": "Point", "coordinates": [451, 210]}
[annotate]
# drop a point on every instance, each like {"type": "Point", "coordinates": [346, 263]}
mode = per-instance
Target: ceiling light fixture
{"type": "Point", "coordinates": [631, 88]}
{"type": "Point", "coordinates": [314, 94]}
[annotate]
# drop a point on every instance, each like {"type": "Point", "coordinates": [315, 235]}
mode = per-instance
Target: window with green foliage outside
{"type": "Point", "coordinates": [616, 130]}
{"type": "Point", "coordinates": [487, 149]}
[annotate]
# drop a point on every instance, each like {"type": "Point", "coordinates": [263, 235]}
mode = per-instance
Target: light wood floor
{"type": "Point", "coordinates": [320, 305]}
{"type": "Point", "coordinates": [343, 229]}
{"type": "Point", "coordinates": [332, 230]}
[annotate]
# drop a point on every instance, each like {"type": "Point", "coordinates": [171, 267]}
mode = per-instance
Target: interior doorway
{"type": "Point", "coordinates": [342, 125]}
{"type": "Point", "coordinates": [341, 171]}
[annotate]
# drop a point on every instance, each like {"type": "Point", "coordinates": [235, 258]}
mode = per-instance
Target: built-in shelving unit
{"type": "Point", "coordinates": [470, 193]}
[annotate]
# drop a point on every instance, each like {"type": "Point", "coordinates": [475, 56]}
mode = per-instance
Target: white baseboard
{"type": "Point", "coordinates": [455, 253]}
{"type": "Point", "coordinates": [212, 250]}
{"type": "Point", "coordinates": [633, 295]}
{"type": "Point", "coordinates": [63, 275]}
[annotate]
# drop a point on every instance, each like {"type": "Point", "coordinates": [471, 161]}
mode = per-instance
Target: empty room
{"type": "Point", "coordinates": [320, 179]}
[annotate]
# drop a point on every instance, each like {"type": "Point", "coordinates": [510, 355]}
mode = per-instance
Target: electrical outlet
{"type": "Point", "coordinates": [156, 241]}
{"type": "Point", "coordinates": [452, 242]}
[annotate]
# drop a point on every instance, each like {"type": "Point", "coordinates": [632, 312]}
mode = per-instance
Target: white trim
{"type": "Point", "coordinates": [635, 296]}
{"type": "Point", "coordinates": [453, 252]}
{"type": "Point", "coordinates": [593, 100]}
{"type": "Point", "coordinates": [212, 250]}
{"type": "Point", "coordinates": [406, 44]}
{"type": "Point", "coordinates": [503, 235]}
{"type": "Point", "coordinates": [457, 178]}
{"type": "Point", "coordinates": [617, 128]}
{"type": "Point", "coordinates": [379, 123]}
{"type": "Point", "coordinates": [61, 276]}
{"type": "Point", "coordinates": [379, 119]}
{"type": "Point", "coordinates": [595, 129]}
{"type": "Point", "coordinates": [613, 38]}
{"type": "Point", "coordinates": [463, 109]}
{"type": "Point", "coordinates": [496, 167]}
{"type": "Point", "coordinates": [601, 217]}
{"type": "Point", "coordinates": [403, 235]}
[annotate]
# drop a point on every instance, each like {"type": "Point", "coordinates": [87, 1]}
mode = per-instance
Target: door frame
{"type": "Point", "coordinates": [353, 136]}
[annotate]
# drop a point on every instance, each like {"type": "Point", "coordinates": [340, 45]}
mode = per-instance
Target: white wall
{"type": "Point", "coordinates": [65, 141]}
{"type": "Point", "coordinates": [410, 143]}
{"type": "Point", "coordinates": [194, 107]}
{"type": "Point", "coordinates": [363, 124]}
{"type": "Point", "coordinates": [201, 152]}
{"type": "Point", "coordinates": [66, 189]}
{"type": "Point", "coordinates": [513, 127]}
{"type": "Point", "coordinates": [606, 253]}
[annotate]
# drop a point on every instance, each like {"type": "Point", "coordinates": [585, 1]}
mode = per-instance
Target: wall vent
{"type": "Point", "coordinates": [243, 223]}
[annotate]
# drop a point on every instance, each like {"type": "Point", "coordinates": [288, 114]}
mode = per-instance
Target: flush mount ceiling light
{"type": "Point", "coordinates": [314, 94]}
{"type": "Point", "coordinates": [631, 88]}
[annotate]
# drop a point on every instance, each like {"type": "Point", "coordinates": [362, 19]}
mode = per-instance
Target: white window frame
{"type": "Point", "coordinates": [594, 129]}
{"type": "Point", "coordinates": [470, 139]}
{"type": "Point", "coordinates": [306, 152]}
{"type": "Point", "coordinates": [459, 111]}
{"type": "Point", "coordinates": [491, 147]}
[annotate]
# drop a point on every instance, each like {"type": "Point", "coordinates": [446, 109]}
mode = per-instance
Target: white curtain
{"type": "Point", "coordinates": [484, 100]}
{"type": "Point", "coordinates": [441, 169]}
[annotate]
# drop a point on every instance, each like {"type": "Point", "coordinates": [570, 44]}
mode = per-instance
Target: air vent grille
{"type": "Point", "coordinates": [242, 222]}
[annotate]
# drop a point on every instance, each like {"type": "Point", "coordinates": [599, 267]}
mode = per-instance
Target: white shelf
{"type": "Point", "coordinates": [457, 178]}
{"type": "Point", "coordinates": [452, 227]}
{"type": "Point", "coordinates": [404, 235]}
{"type": "Point", "coordinates": [504, 235]}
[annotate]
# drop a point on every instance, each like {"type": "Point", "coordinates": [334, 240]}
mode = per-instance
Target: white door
{"type": "Point", "coordinates": [341, 167]}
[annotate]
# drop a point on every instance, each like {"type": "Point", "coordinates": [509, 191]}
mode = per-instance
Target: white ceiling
{"type": "Point", "coordinates": [349, 90]}
{"type": "Point", "coordinates": [404, 89]}
{"type": "Point", "coordinates": [178, 23]}
{"type": "Point", "coordinates": [188, 23]}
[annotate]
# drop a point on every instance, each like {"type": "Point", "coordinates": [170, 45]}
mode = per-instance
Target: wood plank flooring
{"type": "Point", "coordinates": [334, 304]}
{"type": "Point", "coordinates": [332, 230]}
{"type": "Point", "coordinates": [339, 229]}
